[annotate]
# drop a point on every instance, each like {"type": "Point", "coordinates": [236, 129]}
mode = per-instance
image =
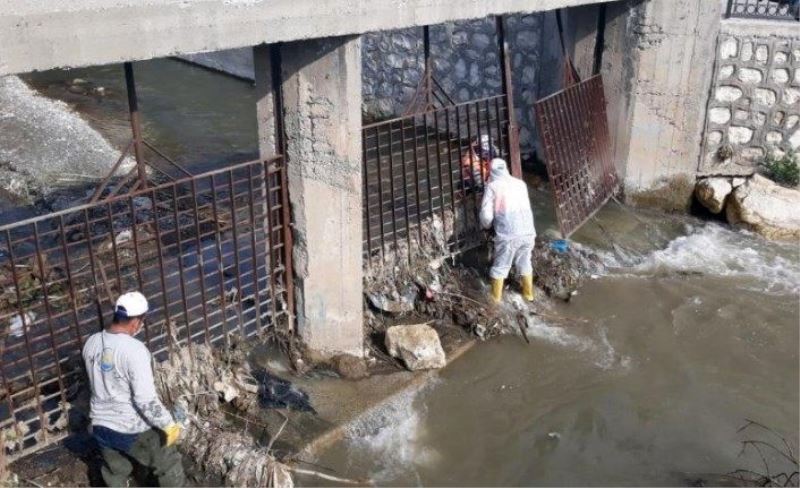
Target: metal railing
{"type": "Point", "coordinates": [413, 174]}
{"type": "Point", "coordinates": [764, 9]}
{"type": "Point", "coordinates": [211, 252]}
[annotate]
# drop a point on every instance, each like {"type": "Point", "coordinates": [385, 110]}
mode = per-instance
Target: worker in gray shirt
{"type": "Point", "coordinates": [129, 422]}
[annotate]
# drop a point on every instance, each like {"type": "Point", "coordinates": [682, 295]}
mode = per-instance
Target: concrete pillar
{"type": "Point", "coordinates": [670, 50]}
{"type": "Point", "coordinates": [265, 101]}
{"type": "Point", "coordinates": [322, 115]}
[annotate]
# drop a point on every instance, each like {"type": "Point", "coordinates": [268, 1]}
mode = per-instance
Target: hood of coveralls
{"type": "Point", "coordinates": [499, 169]}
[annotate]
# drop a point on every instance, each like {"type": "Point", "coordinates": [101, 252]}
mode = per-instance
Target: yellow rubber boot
{"type": "Point", "coordinates": [527, 287]}
{"type": "Point", "coordinates": [497, 289]}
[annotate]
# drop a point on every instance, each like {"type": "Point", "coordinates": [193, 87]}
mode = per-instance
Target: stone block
{"type": "Point", "coordinates": [791, 96]}
{"type": "Point", "coordinates": [728, 94]}
{"type": "Point", "coordinates": [729, 48]}
{"type": "Point", "coordinates": [417, 345]}
{"type": "Point", "coordinates": [762, 54]}
{"type": "Point", "coordinates": [750, 76]}
{"type": "Point", "coordinates": [719, 115]}
{"type": "Point", "coordinates": [766, 208]}
{"type": "Point", "coordinates": [765, 96]}
{"type": "Point", "coordinates": [780, 76]}
{"type": "Point", "coordinates": [712, 192]}
{"type": "Point", "coordinates": [740, 135]}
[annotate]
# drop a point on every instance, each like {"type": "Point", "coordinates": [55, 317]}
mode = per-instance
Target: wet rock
{"type": "Point", "coordinates": [350, 367]}
{"type": "Point", "coordinates": [712, 192]}
{"type": "Point", "coordinates": [417, 345]}
{"type": "Point", "coordinates": [767, 208]}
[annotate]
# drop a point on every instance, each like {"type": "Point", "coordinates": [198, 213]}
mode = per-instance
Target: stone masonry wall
{"type": "Point", "coordinates": [754, 106]}
{"type": "Point", "coordinates": [466, 61]}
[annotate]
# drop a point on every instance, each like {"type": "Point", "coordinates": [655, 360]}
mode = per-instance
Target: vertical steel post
{"type": "Point", "coordinates": [513, 130]}
{"type": "Point", "coordinates": [283, 182]}
{"type": "Point", "coordinates": [133, 108]}
{"type": "Point", "coordinates": [426, 43]}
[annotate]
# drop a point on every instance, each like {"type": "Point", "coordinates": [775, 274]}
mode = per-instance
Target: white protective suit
{"type": "Point", "coordinates": [506, 206]}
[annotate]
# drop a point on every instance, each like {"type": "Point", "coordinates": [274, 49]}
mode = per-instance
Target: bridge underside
{"type": "Point", "coordinates": [45, 35]}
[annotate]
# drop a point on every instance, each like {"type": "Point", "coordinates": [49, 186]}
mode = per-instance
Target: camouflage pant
{"type": "Point", "coordinates": [147, 451]}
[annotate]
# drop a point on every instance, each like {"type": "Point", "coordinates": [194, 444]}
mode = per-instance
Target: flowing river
{"type": "Point", "coordinates": [693, 330]}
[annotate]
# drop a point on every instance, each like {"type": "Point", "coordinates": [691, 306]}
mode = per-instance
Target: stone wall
{"type": "Point", "coordinates": [466, 62]}
{"type": "Point", "coordinates": [754, 106]}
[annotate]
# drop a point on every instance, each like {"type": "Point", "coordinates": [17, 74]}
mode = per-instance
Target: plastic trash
{"type": "Point", "coordinates": [559, 245]}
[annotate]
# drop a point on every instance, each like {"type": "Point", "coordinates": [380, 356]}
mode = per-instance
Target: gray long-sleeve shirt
{"type": "Point", "coordinates": [124, 396]}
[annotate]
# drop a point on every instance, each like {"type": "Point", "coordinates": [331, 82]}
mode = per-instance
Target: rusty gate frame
{"type": "Point", "coordinates": [214, 256]}
{"type": "Point", "coordinates": [433, 118]}
{"type": "Point", "coordinates": [573, 127]}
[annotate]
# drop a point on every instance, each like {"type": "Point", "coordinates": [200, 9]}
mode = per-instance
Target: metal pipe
{"type": "Point", "coordinates": [508, 90]}
{"type": "Point", "coordinates": [133, 108]}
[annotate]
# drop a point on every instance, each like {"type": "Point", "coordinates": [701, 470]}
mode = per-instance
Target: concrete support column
{"type": "Point", "coordinates": [265, 101]}
{"type": "Point", "coordinates": [667, 54]}
{"type": "Point", "coordinates": [322, 115]}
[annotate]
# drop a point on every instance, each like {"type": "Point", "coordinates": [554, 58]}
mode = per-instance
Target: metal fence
{"type": "Point", "coordinates": [413, 175]}
{"type": "Point", "coordinates": [574, 131]}
{"type": "Point", "coordinates": [764, 9]}
{"type": "Point", "coordinates": [211, 252]}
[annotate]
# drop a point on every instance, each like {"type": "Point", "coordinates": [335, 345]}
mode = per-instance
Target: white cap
{"type": "Point", "coordinates": [131, 304]}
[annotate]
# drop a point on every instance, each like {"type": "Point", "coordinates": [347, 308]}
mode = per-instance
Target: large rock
{"type": "Point", "coordinates": [711, 192]}
{"type": "Point", "coordinates": [417, 345]}
{"type": "Point", "coordinates": [767, 208]}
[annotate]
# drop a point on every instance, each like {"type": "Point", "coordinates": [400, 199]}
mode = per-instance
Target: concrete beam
{"type": "Point", "coordinates": [49, 34]}
{"type": "Point", "coordinates": [322, 113]}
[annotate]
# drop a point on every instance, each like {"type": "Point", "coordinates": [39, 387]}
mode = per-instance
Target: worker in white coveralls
{"type": "Point", "coordinates": [129, 422]}
{"type": "Point", "coordinates": [506, 207]}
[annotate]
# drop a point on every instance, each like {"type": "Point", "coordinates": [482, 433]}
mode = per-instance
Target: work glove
{"type": "Point", "coordinates": [173, 432]}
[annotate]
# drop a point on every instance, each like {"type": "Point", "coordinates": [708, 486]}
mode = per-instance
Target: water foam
{"type": "Point", "coordinates": [600, 349]}
{"type": "Point", "coordinates": [716, 250]}
{"type": "Point", "coordinates": [395, 435]}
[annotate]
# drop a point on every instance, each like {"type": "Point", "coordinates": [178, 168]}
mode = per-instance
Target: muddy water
{"type": "Point", "coordinates": [692, 330]}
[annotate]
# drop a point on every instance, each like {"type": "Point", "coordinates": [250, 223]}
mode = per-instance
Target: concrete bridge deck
{"type": "Point", "coordinates": [40, 35]}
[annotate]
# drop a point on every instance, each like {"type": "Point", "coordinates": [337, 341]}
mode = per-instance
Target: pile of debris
{"type": "Point", "coordinates": [207, 386]}
{"type": "Point", "coordinates": [442, 290]}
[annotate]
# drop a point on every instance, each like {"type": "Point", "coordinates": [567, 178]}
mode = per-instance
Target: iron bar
{"type": "Point", "coordinates": [405, 185]}
{"type": "Point", "coordinates": [220, 263]}
{"type": "Point", "coordinates": [283, 188]}
{"type": "Point", "coordinates": [139, 278]}
{"type": "Point", "coordinates": [380, 197]}
{"type": "Point", "coordinates": [179, 259]}
{"type": "Point", "coordinates": [133, 108]}
{"type": "Point", "coordinates": [391, 187]}
{"type": "Point", "coordinates": [508, 91]}
{"type": "Point", "coordinates": [236, 262]}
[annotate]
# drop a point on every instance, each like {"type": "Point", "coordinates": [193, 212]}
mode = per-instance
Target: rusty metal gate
{"type": "Point", "coordinates": [211, 252]}
{"type": "Point", "coordinates": [573, 128]}
{"type": "Point", "coordinates": [414, 180]}
{"type": "Point", "coordinates": [421, 189]}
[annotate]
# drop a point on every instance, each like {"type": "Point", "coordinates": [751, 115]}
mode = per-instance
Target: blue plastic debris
{"type": "Point", "coordinates": [559, 245]}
